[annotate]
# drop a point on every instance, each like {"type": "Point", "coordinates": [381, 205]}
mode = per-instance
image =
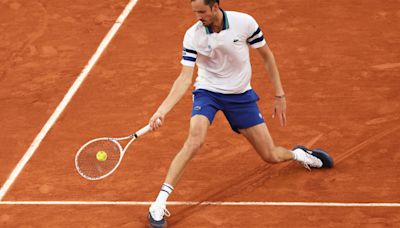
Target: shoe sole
{"type": "Point", "coordinates": [327, 161]}
{"type": "Point", "coordinates": [151, 226]}
{"type": "Point", "coordinates": [155, 224]}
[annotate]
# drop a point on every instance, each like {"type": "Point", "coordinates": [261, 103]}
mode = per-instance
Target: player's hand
{"type": "Point", "coordinates": [280, 110]}
{"type": "Point", "coordinates": [156, 121]}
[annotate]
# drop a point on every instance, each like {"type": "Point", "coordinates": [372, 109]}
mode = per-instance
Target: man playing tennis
{"type": "Point", "coordinates": [219, 44]}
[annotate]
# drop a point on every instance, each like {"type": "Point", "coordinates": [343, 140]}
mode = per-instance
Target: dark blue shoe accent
{"type": "Point", "coordinates": [156, 224]}
{"type": "Point", "coordinates": [327, 161]}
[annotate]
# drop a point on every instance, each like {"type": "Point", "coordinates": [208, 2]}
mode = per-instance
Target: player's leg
{"type": "Point", "coordinates": [244, 117]}
{"type": "Point", "coordinates": [203, 112]}
{"type": "Point", "coordinates": [199, 125]}
{"type": "Point", "coordinates": [261, 140]}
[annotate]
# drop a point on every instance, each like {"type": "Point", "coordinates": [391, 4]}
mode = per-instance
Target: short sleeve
{"type": "Point", "coordinates": [255, 36]}
{"type": "Point", "coordinates": [189, 53]}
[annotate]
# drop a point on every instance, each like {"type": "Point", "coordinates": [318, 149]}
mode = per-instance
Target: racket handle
{"type": "Point", "coordinates": [143, 131]}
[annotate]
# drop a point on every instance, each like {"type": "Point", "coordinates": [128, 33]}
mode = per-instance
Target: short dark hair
{"type": "Point", "coordinates": [209, 2]}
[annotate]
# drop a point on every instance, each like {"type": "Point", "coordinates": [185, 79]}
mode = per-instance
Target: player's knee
{"type": "Point", "coordinates": [271, 155]}
{"type": "Point", "coordinates": [195, 139]}
{"type": "Point", "coordinates": [194, 143]}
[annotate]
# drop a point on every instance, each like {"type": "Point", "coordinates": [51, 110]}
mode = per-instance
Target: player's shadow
{"type": "Point", "coordinates": [245, 184]}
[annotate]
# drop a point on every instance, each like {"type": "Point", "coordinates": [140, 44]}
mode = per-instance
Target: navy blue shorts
{"type": "Point", "coordinates": [240, 110]}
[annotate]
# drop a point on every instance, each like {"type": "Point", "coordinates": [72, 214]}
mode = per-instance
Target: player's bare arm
{"type": "Point", "coordinates": [272, 69]}
{"type": "Point", "coordinates": [179, 88]}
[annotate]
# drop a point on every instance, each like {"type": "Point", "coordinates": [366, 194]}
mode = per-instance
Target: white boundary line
{"type": "Point", "coordinates": [206, 203]}
{"type": "Point", "coordinates": [67, 98]}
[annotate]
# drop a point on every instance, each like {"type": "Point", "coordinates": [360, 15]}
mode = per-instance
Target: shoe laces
{"type": "Point", "coordinates": [311, 161]}
{"type": "Point", "coordinates": [158, 212]}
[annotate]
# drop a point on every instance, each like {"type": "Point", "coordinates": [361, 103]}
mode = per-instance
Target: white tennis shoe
{"type": "Point", "coordinates": [316, 158]}
{"type": "Point", "coordinates": [311, 161]}
{"type": "Point", "coordinates": [157, 212]}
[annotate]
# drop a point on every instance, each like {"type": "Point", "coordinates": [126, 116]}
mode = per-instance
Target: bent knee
{"type": "Point", "coordinates": [271, 155]}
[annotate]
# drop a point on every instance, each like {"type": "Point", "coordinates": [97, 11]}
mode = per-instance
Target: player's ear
{"type": "Point", "coordinates": [215, 7]}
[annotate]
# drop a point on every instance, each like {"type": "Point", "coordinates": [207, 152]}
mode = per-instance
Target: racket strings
{"type": "Point", "coordinates": [91, 165]}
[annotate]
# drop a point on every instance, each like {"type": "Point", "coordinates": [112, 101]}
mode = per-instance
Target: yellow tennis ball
{"type": "Point", "coordinates": [101, 155]}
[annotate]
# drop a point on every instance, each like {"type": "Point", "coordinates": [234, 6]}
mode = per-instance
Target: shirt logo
{"type": "Point", "coordinates": [197, 108]}
{"type": "Point", "coordinates": [235, 40]}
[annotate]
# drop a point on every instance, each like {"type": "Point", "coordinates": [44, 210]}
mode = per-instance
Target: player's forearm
{"type": "Point", "coordinates": [272, 69]}
{"type": "Point", "coordinates": [179, 88]}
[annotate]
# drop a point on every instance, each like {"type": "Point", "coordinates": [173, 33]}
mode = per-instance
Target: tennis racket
{"type": "Point", "coordinates": [100, 157]}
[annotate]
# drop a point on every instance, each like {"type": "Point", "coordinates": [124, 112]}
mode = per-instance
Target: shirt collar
{"type": "Point", "coordinates": [225, 23]}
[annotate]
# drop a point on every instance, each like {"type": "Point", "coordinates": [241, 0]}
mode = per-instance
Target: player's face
{"type": "Point", "coordinates": [204, 13]}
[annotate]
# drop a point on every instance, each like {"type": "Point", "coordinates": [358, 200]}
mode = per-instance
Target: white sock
{"type": "Point", "coordinates": [299, 155]}
{"type": "Point", "coordinates": [165, 191]}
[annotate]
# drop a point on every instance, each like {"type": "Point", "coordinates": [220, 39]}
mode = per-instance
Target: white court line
{"type": "Point", "coordinates": [189, 203]}
{"type": "Point", "coordinates": [67, 98]}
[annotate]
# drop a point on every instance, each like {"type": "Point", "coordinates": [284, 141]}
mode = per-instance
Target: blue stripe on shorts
{"type": "Point", "coordinates": [240, 110]}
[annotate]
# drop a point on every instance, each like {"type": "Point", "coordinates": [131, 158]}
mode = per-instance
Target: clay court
{"type": "Point", "coordinates": [340, 66]}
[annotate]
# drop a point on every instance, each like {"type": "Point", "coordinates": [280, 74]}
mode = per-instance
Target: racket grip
{"type": "Point", "coordinates": [143, 131]}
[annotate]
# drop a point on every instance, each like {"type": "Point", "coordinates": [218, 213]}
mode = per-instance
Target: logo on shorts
{"type": "Point", "coordinates": [259, 114]}
{"type": "Point", "coordinates": [197, 108]}
{"type": "Point", "coordinates": [235, 40]}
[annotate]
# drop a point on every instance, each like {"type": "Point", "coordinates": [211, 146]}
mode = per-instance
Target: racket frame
{"type": "Point", "coordinates": [122, 150]}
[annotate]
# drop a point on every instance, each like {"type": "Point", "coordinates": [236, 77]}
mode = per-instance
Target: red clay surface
{"type": "Point", "coordinates": [43, 47]}
{"type": "Point", "coordinates": [210, 216]}
{"type": "Point", "coordinates": [339, 64]}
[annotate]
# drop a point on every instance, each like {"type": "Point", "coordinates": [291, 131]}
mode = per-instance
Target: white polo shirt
{"type": "Point", "coordinates": [223, 58]}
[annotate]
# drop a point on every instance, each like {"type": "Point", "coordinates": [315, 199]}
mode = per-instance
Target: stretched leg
{"type": "Point", "coordinates": [262, 142]}
{"type": "Point", "coordinates": [244, 117]}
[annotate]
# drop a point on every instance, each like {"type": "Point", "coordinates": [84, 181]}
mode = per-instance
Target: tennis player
{"type": "Point", "coordinates": [219, 44]}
